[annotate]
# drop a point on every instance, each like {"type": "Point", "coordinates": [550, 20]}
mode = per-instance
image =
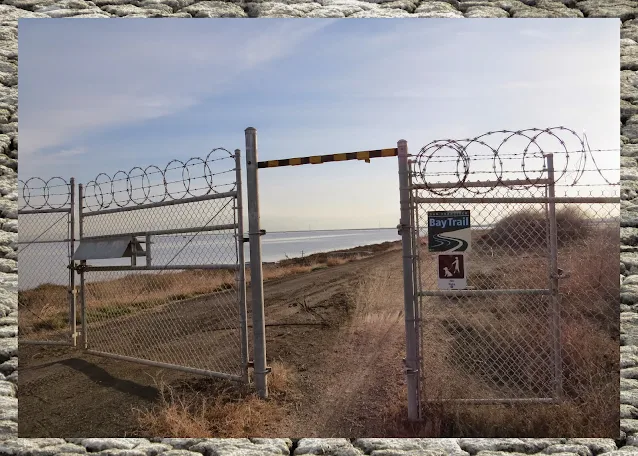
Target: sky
{"type": "Point", "coordinates": [98, 96]}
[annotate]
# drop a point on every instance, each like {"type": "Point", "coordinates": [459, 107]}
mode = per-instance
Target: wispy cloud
{"type": "Point", "coordinates": [137, 80]}
{"type": "Point", "coordinates": [534, 33]}
{"type": "Point", "coordinates": [65, 153]}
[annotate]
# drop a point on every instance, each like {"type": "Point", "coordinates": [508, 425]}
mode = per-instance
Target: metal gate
{"type": "Point", "coordinates": [45, 243]}
{"type": "Point", "coordinates": [485, 258]}
{"type": "Point", "coordinates": [161, 264]}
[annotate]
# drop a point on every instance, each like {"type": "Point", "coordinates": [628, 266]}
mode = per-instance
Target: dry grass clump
{"type": "Point", "coordinates": [212, 408]}
{"type": "Point", "coordinates": [528, 229]}
{"type": "Point", "coordinates": [43, 308]}
{"type": "Point", "coordinates": [377, 299]}
{"type": "Point", "coordinates": [336, 261]}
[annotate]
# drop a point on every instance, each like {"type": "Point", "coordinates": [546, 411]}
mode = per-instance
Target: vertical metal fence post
{"type": "Point", "coordinates": [414, 229]}
{"type": "Point", "coordinates": [256, 279]}
{"type": "Point", "coordinates": [148, 251]}
{"type": "Point", "coordinates": [82, 263]}
{"type": "Point", "coordinates": [555, 298]}
{"type": "Point", "coordinates": [241, 272]}
{"type": "Point", "coordinates": [411, 361]}
{"type": "Point", "coordinates": [72, 291]}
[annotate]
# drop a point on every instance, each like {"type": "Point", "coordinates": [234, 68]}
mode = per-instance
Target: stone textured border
{"type": "Point", "coordinates": [626, 10]}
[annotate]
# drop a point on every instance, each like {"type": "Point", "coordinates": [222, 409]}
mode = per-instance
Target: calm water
{"type": "Point", "coordinates": [42, 263]}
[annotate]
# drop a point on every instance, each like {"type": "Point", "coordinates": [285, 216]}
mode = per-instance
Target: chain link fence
{"type": "Point", "coordinates": [45, 245]}
{"type": "Point", "coordinates": [161, 259]}
{"type": "Point", "coordinates": [526, 321]}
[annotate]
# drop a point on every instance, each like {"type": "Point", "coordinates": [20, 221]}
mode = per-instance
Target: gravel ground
{"type": "Point", "coordinates": [626, 10]}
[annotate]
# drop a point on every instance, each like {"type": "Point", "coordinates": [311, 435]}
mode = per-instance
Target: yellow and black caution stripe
{"type": "Point", "coordinates": [317, 159]}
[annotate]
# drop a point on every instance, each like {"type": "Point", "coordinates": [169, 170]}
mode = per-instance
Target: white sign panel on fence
{"type": "Point", "coordinates": [452, 271]}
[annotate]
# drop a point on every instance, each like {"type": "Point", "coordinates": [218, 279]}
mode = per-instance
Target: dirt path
{"type": "Point", "coordinates": [348, 371]}
{"type": "Point", "coordinates": [353, 385]}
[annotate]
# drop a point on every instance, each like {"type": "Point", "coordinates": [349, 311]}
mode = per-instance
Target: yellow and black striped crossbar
{"type": "Point", "coordinates": [315, 160]}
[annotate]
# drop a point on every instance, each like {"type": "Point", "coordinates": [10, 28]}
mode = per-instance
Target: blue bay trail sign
{"type": "Point", "coordinates": [449, 231]}
{"type": "Point", "coordinates": [449, 234]}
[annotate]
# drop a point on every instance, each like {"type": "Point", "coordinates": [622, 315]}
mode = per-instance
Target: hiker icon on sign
{"type": "Point", "coordinates": [451, 267]}
{"type": "Point", "coordinates": [456, 265]}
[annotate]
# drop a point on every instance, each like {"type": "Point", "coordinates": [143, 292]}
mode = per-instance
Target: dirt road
{"type": "Point", "coordinates": [348, 370]}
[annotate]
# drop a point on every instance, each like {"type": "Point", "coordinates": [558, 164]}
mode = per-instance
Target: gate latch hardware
{"type": "Point", "coordinates": [401, 227]}
{"type": "Point", "coordinates": [560, 274]}
{"type": "Point", "coordinates": [407, 370]}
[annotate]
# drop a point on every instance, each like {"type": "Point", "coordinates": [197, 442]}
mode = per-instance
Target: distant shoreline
{"type": "Point", "coordinates": [369, 249]}
{"type": "Point", "coordinates": [334, 229]}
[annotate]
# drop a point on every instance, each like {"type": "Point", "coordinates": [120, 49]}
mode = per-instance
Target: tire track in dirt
{"type": "Point", "coordinates": [358, 378]}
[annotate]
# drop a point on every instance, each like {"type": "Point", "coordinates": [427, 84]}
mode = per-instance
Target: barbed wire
{"type": "Point", "coordinates": [457, 150]}
{"type": "Point", "coordinates": [38, 196]}
{"type": "Point", "coordinates": [509, 155]}
{"type": "Point", "coordinates": [539, 170]}
{"type": "Point", "coordinates": [196, 180]}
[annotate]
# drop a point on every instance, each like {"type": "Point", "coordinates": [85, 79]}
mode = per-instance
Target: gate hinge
{"type": "Point", "coordinates": [251, 365]}
{"type": "Point", "coordinates": [77, 268]}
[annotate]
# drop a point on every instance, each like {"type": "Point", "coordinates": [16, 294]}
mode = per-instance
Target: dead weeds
{"type": "Point", "coordinates": [214, 408]}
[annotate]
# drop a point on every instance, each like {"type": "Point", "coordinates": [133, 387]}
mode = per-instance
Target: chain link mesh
{"type": "Point", "coordinates": [44, 251]}
{"type": "Point", "coordinates": [186, 310]}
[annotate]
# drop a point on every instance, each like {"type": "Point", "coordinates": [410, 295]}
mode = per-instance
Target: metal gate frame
{"type": "Point", "coordinates": [47, 208]}
{"type": "Point", "coordinates": [82, 268]}
{"type": "Point", "coordinates": [414, 292]}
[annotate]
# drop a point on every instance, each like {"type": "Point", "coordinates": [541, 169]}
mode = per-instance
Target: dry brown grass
{"type": "Point", "coordinates": [218, 409]}
{"type": "Point", "coordinates": [590, 340]}
{"type": "Point", "coordinates": [45, 307]}
{"type": "Point", "coordinates": [336, 261]}
{"type": "Point", "coordinates": [41, 308]}
{"type": "Point", "coordinates": [376, 297]}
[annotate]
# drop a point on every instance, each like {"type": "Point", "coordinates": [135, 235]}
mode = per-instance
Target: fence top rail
{"type": "Point", "coordinates": [365, 155]}
{"type": "Point", "coordinates": [44, 211]}
{"type": "Point", "coordinates": [193, 199]}
{"type": "Point", "coordinates": [174, 231]}
{"type": "Point", "coordinates": [540, 199]}
{"type": "Point", "coordinates": [479, 184]}
{"type": "Point", "coordinates": [169, 267]}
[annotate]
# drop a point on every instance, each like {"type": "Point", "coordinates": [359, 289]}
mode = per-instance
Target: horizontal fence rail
{"type": "Point", "coordinates": [504, 200]}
